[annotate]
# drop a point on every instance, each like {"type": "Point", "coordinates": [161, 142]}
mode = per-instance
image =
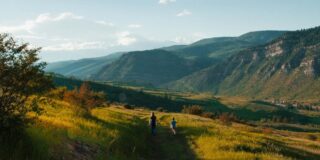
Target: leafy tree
{"type": "Point", "coordinates": [85, 98]}
{"type": "Point", "coordinates": [21, 75]}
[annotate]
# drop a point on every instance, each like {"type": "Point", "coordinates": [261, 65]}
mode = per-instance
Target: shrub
{"type": "Point", "coordinates": [160, 109]}
{"type": "Point", "coordinates": [208, 115]}
{"type": "Point", "coordinates": [267, 131]}
{"type": "Point", "coordinates": [194, 109]}
{"type": "Point", "coordinates": [225, 118]}
{"type": "Point", "coordinates": [312, 137]}
{"type": "Point", "coordinates": [84, 98]}
{"type": "Point", "coordinates": [127, 106]}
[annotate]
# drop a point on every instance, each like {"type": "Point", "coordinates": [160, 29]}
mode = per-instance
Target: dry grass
{"type": "Point", "coordinates": [118, 133]}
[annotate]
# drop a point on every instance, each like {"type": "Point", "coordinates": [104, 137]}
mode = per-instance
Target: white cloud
{"type": "Point", "coordinates": [134, 26]}
{"type": "Point", "coordinates": [166, 1]}
{"type": "Point", "coordinates": [29, 25]}
{"type": "Point", "coordinates": [190, 38]}
{"type": "Point", "coordinates": [66, 32]}
{"type": "Point", "coordinates": [183, 13]}
{"type": "Point", "coordinates": [125, 38]}
{"type": "Point", "coordinates": [72, 46]}
{"type": "Point", "coordinates": [105, 23]}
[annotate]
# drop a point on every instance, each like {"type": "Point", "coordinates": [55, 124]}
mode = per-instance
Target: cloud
{"type": "Point", "coordinates": [69, 36]}
{"type": "Point", "coordinates": [166, 1]}
{"type": "Point", "coordinates": [29, 25]}
{"type": "Point", "coordinates": [183, 13]}
{"type": "Point", "coordinates": [125, 38]}
{"type": "Point", "coordinates": [110, 24]}
{"type": "Point", "coordinates": [190, 38]}
{"type": "Point", "coordinates": [134, 26]}
{"type": "Point", "coordinates": [72, 46]}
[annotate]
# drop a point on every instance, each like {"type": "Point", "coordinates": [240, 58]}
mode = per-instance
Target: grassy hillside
{"type": "Point", "coordinates": [117, 133]}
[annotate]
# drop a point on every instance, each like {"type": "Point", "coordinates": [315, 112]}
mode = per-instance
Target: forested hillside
{"type": "Point", "coordinates": [265, 71]}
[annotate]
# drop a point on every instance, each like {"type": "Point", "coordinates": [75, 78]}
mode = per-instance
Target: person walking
{"type": "Point", "coordinates": [173, 126]}
{"type": "Point", "coordinates": [153, 123]}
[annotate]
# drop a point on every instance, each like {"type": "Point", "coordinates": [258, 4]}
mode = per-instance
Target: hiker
{"type": "Point", "coordinates": [173, 126]}
{"type": "Point", "coordinates": [153, 123]}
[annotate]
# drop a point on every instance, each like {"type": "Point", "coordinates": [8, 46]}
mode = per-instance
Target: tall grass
{"type": "Point", "coordinates": [118, 133]}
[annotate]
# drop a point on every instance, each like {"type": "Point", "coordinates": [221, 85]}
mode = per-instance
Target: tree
{"type": "Point", "coordinates": [84, 98]}
{"type": "Point", "coordinates": [21, 75]}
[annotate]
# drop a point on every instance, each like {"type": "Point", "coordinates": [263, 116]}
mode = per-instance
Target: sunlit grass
{"type": "Point", "coordinates": [118, 133]}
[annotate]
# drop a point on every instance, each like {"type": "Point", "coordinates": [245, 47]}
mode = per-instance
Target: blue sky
{"type": "Point", "coordinates": [73, 29]}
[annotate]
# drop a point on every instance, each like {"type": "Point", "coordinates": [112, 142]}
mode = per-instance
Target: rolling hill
{"type": "Point", "coordinates": [83, 68]}
{"type": "Point", "coordinates": [223, 47]}
{"type": "Point", "coordinates": [265, 71]}
{"type": "Point", "coordinates": [151, 67]}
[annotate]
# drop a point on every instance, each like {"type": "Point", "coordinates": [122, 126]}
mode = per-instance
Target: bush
{"type": "Point", "coordinates": [312, 137]}
{"type": "Point", "coordinates": [226, 119]}
{"type": "Point", "coordinates": [194, 109]}
{"type": "Point", "coordinates": [267, 131]}
{"type": "Point", "coordinates": [160, 109]}
{"type": "Point", "coordinates": [208, 115]}
{"type": "Point", "coordinates": [127, 106]}
{"type": "Point", "coordinates": [84, 98]}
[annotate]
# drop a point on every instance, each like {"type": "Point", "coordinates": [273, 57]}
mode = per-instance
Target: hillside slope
{"type": "Point", "coordinates": [83, 68]}
{"type": "Point", "coordinates": [266, 71]}
{"type": "Point", "coordinates": [121, 134]}
{"type": "Point", "coordinates": [151, 67]}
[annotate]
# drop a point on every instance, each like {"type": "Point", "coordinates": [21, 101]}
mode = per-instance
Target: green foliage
{"type": "Point", "coordinates": [21, 75]}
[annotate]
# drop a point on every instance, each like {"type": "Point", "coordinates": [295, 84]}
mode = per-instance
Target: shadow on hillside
{"type": "Point", "coordinates": [16, 143]}
{"type": "Point", "coordinates": [131, 140]}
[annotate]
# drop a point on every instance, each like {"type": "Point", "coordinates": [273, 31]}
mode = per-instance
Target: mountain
{"type": "Point", "coordinates": [222, 47]}
{"type": "Point", "coordinates": [151, 67]}
{"type": "Point", "coordinates": [83, 68]}
{"type": "Point", "coordinates": [164, 65]}
{"type": "Point", "coordinates": [158, 67]}
{"type": "Point", "coordinates": [287, 67]}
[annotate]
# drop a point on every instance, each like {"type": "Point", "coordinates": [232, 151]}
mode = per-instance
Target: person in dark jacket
{"type": "Point", "coordinates": [153, 123]}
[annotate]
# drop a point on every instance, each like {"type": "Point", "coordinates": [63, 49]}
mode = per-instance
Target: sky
{"type": "Point", "coordinates": [75, 29]}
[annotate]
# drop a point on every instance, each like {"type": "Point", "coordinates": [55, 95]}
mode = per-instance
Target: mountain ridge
{"type": "Point", "coordinates": [265, 71]}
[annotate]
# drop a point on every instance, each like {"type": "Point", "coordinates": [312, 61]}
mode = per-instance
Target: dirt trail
{"type": "Point", "coordinates": [167, 146]}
